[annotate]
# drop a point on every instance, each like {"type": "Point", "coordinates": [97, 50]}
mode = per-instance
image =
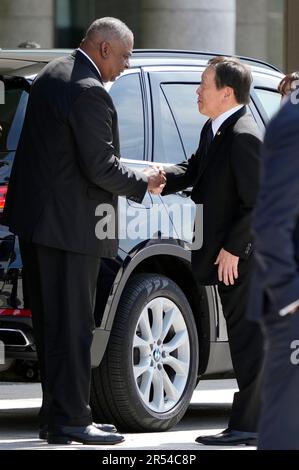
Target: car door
{"type": "Point", "coordinates": [138, 223]}
{"type": "Point", "coordinates": [176, 133]}
{"type": "Point", "coordinates": [176, 130]}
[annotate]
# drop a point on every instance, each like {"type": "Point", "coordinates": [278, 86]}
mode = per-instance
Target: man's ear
{"type": "Point", "coordinates": [228, 92]}
{"type": "Point", "coordinates": [105, 49]}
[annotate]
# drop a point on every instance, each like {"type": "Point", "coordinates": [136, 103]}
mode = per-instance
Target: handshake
{"type": "Point", "coordinates": [156, 179]}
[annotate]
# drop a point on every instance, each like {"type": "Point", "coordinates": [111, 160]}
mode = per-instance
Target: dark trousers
{"type": "Point", "coordinates": [246, 347]}
{"type": "Point", "coordinates": [279, 425]}
{"type": "Point", "coordinates": [61, 290]}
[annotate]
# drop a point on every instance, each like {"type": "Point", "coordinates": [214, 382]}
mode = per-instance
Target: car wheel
{"type": "Point", "coordinates": [147, 376]}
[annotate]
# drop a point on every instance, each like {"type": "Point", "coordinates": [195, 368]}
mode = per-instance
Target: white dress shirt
{"type": "Point", "coordinates": [289, 308]}
{"type": "Point", "coordinates": [216, 123]}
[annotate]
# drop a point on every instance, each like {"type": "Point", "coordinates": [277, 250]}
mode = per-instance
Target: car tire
{"type": "Point", "coordinates": [150, 307]}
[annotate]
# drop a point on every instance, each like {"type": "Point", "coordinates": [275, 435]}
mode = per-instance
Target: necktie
{"type": "Point", "coordinates": [209, 135]}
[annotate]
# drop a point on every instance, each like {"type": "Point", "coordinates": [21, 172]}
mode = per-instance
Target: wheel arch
{"type": "Point", "coordinates": [159, 259]}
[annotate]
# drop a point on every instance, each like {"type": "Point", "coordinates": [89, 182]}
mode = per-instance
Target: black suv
{"type": "Point", "coordinates": [157, 331]}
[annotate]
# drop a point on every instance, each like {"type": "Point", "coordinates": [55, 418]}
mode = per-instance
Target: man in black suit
{"type": "Point", "coordinates": [66, 165]}
{"type": "Point", "coordinates": [274, 298]}
{"type": "Point", "coordinates": [224, 173]}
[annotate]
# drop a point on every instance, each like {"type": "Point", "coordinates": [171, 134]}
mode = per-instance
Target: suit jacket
{"type": "Point", "coordinates": [276, 218]}
{"type": "Point", "coordinates": [67, 161]}
{"type": "Point", "coordinates": [225, 180]}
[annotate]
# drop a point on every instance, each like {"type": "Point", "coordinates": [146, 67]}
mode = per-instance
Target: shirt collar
{"type": "Point", "coordinates": [84, 53]}
{"type": "Point", "coordinates": [216, 123]}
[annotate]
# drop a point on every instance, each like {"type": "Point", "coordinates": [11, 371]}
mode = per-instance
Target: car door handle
{"type": "Point", "coordinates": [185, 192]}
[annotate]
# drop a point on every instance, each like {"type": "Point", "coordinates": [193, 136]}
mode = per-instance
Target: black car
{"type": "Point", "coordinates": [158, 331]}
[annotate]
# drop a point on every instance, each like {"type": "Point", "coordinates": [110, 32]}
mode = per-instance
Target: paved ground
{"type": "Point", "coordinates": [208, 414]}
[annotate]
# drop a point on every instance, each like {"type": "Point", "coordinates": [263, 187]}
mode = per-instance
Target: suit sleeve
{"type": "Point", "coordinates": [181, 176]}
{"type": "Point", "coordinates": [276, 216]}
{"type": "Point", "coordinates": [185, 174]}
{"type": "Point", "coordinates": [245, 163]}
{"type": "Point", "coordinates": [91, 121]}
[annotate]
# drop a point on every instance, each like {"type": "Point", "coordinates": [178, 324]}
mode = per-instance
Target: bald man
{"type": "Point", "coordinates": [67, 164]}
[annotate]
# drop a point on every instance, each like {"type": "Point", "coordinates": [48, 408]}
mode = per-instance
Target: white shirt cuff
{"type": "Point", "coordinates": [284, 311]}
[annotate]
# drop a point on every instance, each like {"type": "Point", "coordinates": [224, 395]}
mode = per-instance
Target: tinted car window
{"type": "Point", "coordinates": [182, 99]}
{"type": "Point", "coordinates": [127, 97]}
{"type": "Point", "coordinates": [270, 100]}
{"type": "Point", "coordinates": [12, 114]}
{"type": "Point", "coordinates": [168, 146]}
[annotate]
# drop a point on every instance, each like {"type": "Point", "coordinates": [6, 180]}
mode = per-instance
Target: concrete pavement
{"type": "Point", "coordinates": [208, 414]}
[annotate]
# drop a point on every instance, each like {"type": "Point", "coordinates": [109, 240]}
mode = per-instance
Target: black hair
{"type": "Point", "coordinates": [230, 71]}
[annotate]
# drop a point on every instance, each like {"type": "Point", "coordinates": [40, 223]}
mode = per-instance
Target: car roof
{"type": "Point", "coordinates": [24, 62]}
{"type": "Point", "coordinates": [28, 62]}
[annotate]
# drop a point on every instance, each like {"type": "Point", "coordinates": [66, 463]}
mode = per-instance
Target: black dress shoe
{"type": "Point", "coordinates": [43, 430]}
{"type": "Point", "coordinates": [229, 437]}
{"type": "Point", "coordinates": [85, 434]}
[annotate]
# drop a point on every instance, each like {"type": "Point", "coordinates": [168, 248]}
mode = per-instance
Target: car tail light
{"type": "Point", "coordinates": [13, 312]}
{"type": "Point", "coordinates": [3, 192]}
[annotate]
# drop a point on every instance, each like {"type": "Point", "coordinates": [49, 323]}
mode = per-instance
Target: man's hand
{"type": "Point", "coordinates": [156, 179]}
{"type": "Point", "coordinates": [227, 267]}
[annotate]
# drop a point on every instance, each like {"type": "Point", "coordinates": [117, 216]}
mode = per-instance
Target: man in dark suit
{"type": "Point", "coordinates": [274, 298]}
{"type": "Point", "coordinates": [66, 165]}
{"type": "Point", "coordinates": [224, 173]}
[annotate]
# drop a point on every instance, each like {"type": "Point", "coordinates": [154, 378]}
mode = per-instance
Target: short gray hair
{"type": "Point", "coordinates": [110, 28]}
